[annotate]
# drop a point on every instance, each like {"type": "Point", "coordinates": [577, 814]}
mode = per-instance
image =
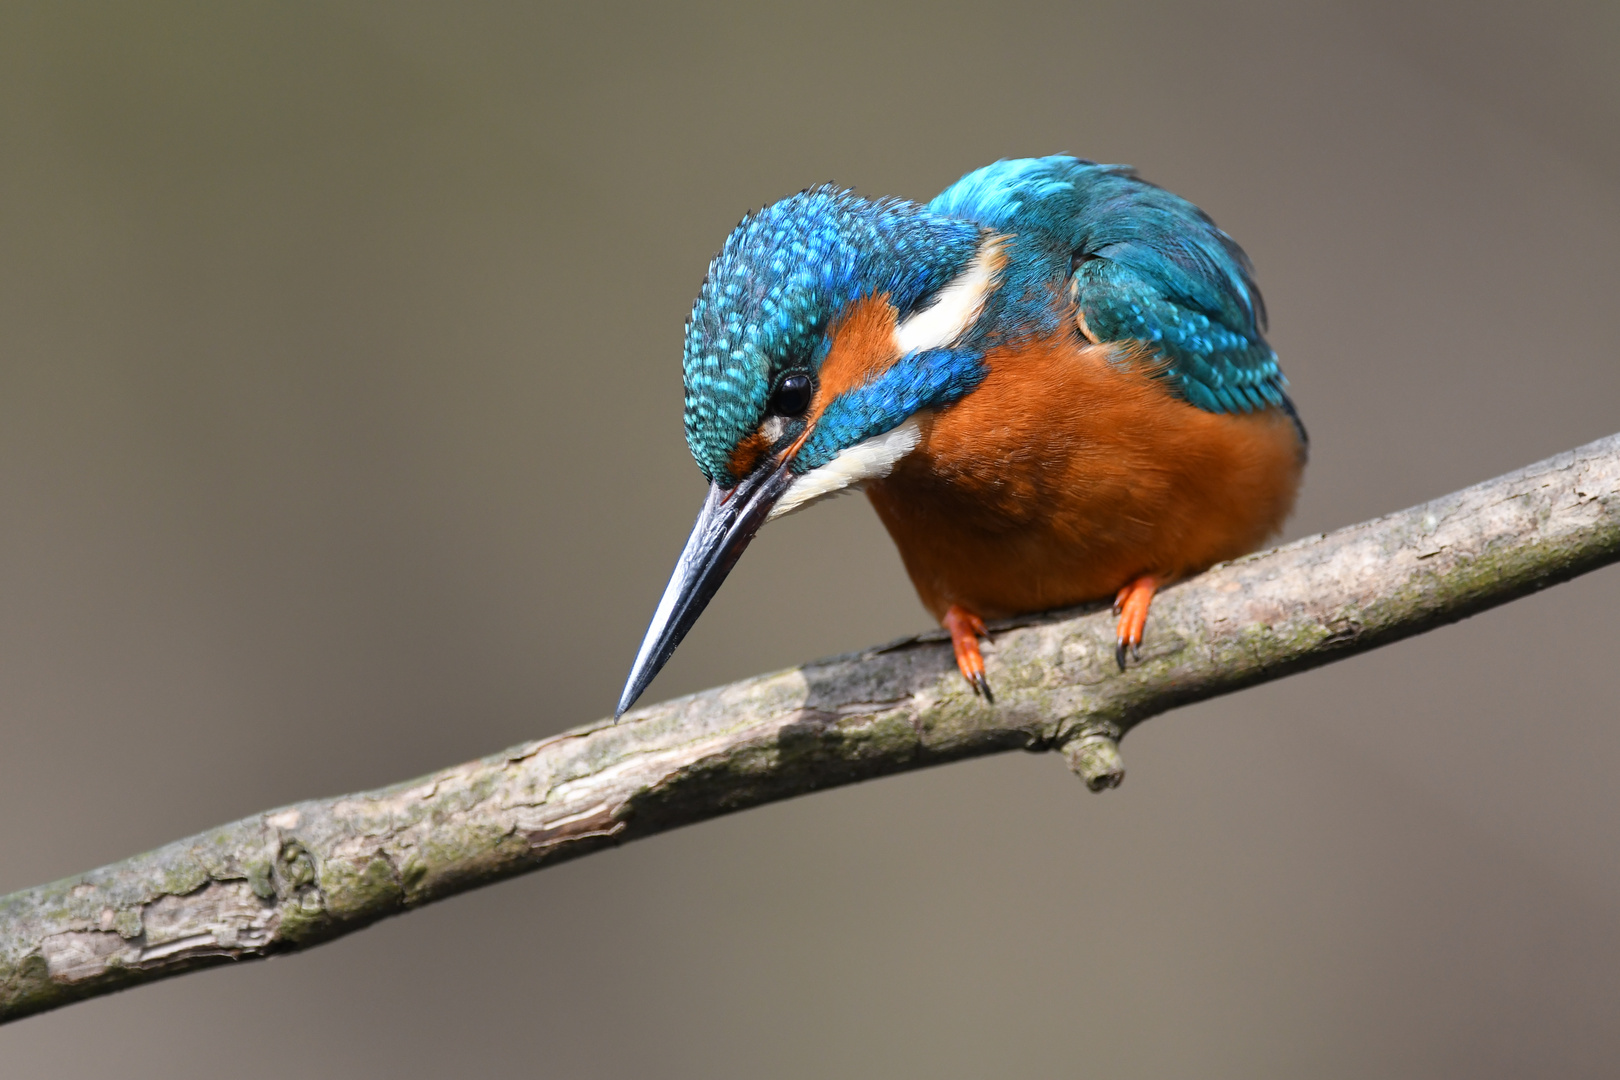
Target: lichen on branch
{"type": "Point", "coordinates": [293, 877]}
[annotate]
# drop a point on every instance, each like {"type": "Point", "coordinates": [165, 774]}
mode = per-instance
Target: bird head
{"type": "Point", "coordinates": [825, 324]}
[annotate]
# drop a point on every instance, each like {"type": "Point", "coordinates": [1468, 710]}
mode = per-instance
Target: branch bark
{"type": "Point", "coordinates": [291, 878]}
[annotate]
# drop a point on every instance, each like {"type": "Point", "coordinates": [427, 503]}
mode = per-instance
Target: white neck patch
{"type": "Point", "coordinates": [957, 306]}
{"type": "Point", "coordinates": [870, 460]}
{"type": "Point", "coordinates": [952, 314]}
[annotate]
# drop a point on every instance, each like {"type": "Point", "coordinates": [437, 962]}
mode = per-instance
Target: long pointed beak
{"type": "Point", "coordinates": [728, 521]}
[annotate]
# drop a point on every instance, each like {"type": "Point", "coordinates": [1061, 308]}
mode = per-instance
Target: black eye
{"type": "Point", "coordinates": [792, 396]}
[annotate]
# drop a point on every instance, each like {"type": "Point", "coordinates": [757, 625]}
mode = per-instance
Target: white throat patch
{"type": "Point", "coordinates": [957, 306]}
{"type": "Point", "coordinates": [870, 460]}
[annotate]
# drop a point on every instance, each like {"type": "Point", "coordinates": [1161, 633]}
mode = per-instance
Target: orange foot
{"type": "Point", "coordinates": [1131, 605]}
{"type": "Point", "coordinates": [966, 629]}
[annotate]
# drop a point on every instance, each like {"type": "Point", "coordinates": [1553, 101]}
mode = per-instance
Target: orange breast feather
{"type": "Point", "coordinates": [1068, 473]}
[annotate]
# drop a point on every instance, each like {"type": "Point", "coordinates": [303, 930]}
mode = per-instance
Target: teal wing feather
{"type": "Point", "coordinates": [1147, 265]}
{"type": "Point", "coordinates": [1214, 365]}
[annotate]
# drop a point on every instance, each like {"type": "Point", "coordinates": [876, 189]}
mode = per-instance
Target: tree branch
{"type": "Point", "coordinates": [291, 878]}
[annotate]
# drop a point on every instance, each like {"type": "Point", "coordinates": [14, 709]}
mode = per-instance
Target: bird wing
{"type": "Point", "coordinates": [1146, 265]}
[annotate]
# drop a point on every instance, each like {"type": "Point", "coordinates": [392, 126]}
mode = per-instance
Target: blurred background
{"type": "Point", "coordinates": [340, 440]}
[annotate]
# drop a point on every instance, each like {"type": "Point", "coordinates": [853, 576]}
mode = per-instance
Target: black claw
{"type": "Point", "coordinates": [981, 688]}
{"type": "Point", "coordinates": [1119, 653]}
{"type": "Point", "coordinates": [1136, 650]}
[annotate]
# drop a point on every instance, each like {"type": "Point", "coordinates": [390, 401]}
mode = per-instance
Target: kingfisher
{"type": "Point", "coordinates": [1052, 382]}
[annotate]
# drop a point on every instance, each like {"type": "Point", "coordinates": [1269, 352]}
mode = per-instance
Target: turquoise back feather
{"type": "Point", "coordinates": [1147, 266]}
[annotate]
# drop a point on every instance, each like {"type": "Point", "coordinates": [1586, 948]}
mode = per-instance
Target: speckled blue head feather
{"type": "Point", "coordinates": [781, 280]}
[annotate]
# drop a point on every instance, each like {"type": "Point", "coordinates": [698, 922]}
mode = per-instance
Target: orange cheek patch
{"type": "Point", "coordinates": [862, 349]}
{"type": "Point", "coordinates": [747, 454]}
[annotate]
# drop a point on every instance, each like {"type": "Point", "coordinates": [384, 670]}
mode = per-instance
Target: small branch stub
{"type": "Point", "coordinates": [1094, 756]}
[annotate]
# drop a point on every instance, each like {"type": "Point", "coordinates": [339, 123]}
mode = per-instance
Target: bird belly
{"type": "Point", "coordinates": [1071, 471]}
